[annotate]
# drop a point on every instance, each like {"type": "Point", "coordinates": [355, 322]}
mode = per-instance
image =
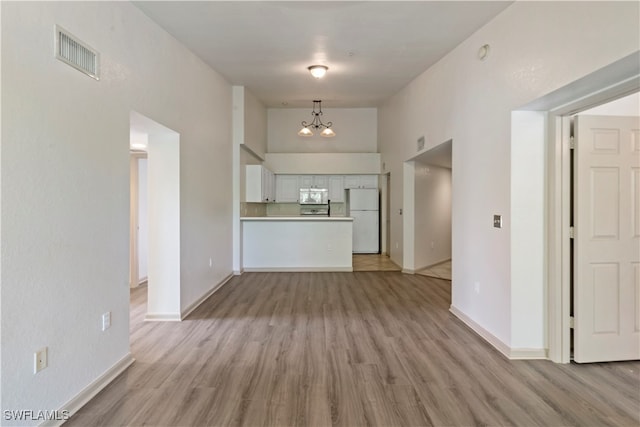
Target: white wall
{"type": "Point", "coordinates": [527, 232]}
{"type": "Point", "coordinates": [536, 47]}
{"type": "Point", "coordinates": [355, 128]}
{"type": "Point", "coordinates": [249, 129]}
{"type": "Point", "coordinates": [65, 187]}
{"type": "Point", "coordinates": [164, 289]}
{"type": "Point", "coordinates": [255, 124]}
{"type": "Point", "coordinates": [432, 215]}
{"type": "Point", "coordinates": [324, 163]}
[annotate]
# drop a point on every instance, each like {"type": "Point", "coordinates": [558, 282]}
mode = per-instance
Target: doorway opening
{"type": "Point", "coordinates": [540, 255]}
{"type": "Point", "coordinates": [161, 219]}
{"type": "Point", "coordinates": [605, 219]}
{"type": "Point", "coordinates": [428, 212]}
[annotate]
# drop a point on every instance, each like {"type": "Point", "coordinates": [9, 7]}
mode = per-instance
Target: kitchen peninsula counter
{"type": "Point", "coordinates": [297, 218]}
{"type": "Point", "coordinates": [297, 243]}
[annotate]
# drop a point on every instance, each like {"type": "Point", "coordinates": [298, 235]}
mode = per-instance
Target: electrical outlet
{"type": "Point", "coordinates": [476, 287]}
{"type": "Point", "coordinates": [40, 360]}
{"type": "Point", "coordinates": [433, 245]}
{"type": "Point", "coordinates": [210, 262]}
{"type": "Point", "coordinates": [106, 321]}
{"type": "Point", "coordinates": [329, 247]}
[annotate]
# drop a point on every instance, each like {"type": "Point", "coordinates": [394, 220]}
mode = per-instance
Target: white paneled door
{"type": "Point", "coordinates": [607, 238]}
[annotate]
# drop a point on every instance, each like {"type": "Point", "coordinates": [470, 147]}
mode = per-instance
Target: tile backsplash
{"type": "Point", "coordinates": [282, 209]}
{"type": "Point", "coordinates": [293, 209]}
{"type": "Point", "coordinates": [253, 209]}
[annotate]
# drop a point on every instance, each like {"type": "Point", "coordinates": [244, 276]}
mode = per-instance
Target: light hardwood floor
{"type": "Point", "coordinates": [439, 271]}
{"type": "Point", "coordinates": [373, 262]}
{"type": "Point", "coordinates": [348, 349]}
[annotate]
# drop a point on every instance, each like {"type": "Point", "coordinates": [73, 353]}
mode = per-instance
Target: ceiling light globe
{"type": "Point", "coordinates": [305, 131]}
{"type": "Point", "coordinates": [328, 133]}
{"type": "Point", "coordinates": [318, 71]}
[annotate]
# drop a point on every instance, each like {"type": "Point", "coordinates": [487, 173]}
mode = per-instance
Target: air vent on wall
{"type": "Point", "coordinates": [79, 55]}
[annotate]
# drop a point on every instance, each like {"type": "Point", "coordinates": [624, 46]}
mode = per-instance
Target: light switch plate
{"type": "Point", "coordinates": [497, 221]}
{"type": "Point", "coordinates": [106, 321]}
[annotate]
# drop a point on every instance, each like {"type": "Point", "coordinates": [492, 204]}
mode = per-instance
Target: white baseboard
{"type": "Point", "coordinates": [238, 272]}
{"type": "Point", "coordinates": [162, 317]}
{"type": "Point", "coordinates": [433, 265]}
{"type": "Point", "coordinates": [187, 311]}
{"type": "Point", "coordinates": [415, 270]}
{"type": "Point", "coordinates": [89, 392]}
{"type": "Point", "coordinates": [486, 335]}
{"type": "Point", "coordinates": [507, 351]}
{"type": "Point", "coordinates": [528, 353]}
{"type": "Point", "coordinates": [298, 269]}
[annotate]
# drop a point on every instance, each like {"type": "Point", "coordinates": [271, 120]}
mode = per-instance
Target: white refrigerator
{"type": "Point", "coordinates": [364, 208]}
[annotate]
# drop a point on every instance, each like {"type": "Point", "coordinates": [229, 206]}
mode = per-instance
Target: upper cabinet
{"type": "Point", "coordinates": [287, 188]}
{"type": "Point", "coordinates": [259, 185]}
{"type": "Point", "coordinates": [314, 181]}
{"type": "Point", "coordinates": [336, 188]}
{"type": "Point", "coordinates": [361, 181]}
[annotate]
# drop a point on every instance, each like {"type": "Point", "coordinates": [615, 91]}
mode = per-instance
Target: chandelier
{"type": "Point", "coordinates": [317, 124]}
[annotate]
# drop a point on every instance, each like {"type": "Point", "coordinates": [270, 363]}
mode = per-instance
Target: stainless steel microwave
{"type": "Point", "coordinates": [314, 196]}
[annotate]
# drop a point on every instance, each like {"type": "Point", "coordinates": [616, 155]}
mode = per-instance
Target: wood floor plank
{"type": "Point", "coordinates": [345, 349]}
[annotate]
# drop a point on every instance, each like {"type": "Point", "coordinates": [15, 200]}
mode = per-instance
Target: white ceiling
{"type": "Point", "coordinates": [372, 49]}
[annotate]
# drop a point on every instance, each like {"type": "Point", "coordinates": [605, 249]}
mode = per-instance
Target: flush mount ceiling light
{"type": "Point", "coordinates": [317, 123]}
{"type": "Point", "coordinates": [318, 71]}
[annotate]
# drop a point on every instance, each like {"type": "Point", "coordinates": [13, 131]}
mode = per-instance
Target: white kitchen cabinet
{"type": "Point", "coordinates": [361, 181]}
{"type": "Point", "coordinates": [305, 181]}
{"type": "Point", "coordinates": [352, 181]}
{"type": "Point", "coordinates": [287, 188]}
{"type": "Point", "coordinates": [259, 184]}
{"type": "Point", "coordinates": [336, 188]}
{"type": "Point", "coordinates": [314, 181]}
{"type": "Point", "coordinates": [369, 181]}
{"type": "Point", "coordinates": [320, 181]}
{"type": "Point", "coordinates": [268, 185]}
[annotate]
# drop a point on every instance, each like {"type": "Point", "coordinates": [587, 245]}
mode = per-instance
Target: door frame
{"type": "Point", "coordinates": [607, 84]}
{"type": "Point", "coordinates": [385, 211]}
{"type": "Point", "coordinates": [134, 220]}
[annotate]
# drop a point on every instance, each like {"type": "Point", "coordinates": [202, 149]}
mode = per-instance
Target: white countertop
{"type": "Point", "coordinates": [296, 218]}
